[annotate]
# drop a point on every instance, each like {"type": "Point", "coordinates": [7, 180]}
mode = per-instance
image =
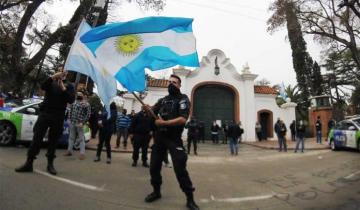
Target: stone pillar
{"type": "Point", "coordinates": [182, 73]}
{"type": "Point", "coordinates": [288, 114]}
{"type": "Point", "coordinates": [249, 97]}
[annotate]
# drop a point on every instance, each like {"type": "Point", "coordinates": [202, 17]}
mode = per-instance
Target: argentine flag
{"type": "Point", "coordinates": [282, 91]}
{"type": "Point", "coordinates": [81, 59]}
{"type": "Point", "coordinates": [125, 49]}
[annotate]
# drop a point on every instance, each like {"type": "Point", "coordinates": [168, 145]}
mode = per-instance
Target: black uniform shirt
{"type": "Point", "coordinates": [56, 100]}
{"type": "Point", "coordinates": [171, 107]}
{"type": "Point", "coordinates": [141, 124]}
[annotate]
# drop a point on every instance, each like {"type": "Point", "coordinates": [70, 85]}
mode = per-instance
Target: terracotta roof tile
{"type": "Point", "coordinates": [264, 90]}
{"type": "Point", "coordinates": [162, 83]}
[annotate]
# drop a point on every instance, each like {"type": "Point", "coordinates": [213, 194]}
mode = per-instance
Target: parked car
{"type": "Point", "coordinates": [16, 124]}
{"type": "Point", "coordinates": [346, 133]}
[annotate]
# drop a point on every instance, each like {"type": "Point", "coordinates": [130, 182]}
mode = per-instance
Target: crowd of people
{"type": "Point", "coordinates": [298, 131]}
{"type": "Point", "coordinates": [163, 122]}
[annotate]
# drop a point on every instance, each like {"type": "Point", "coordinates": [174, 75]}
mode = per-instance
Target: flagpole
{"type": "Point", "coordinates": [142, 103]}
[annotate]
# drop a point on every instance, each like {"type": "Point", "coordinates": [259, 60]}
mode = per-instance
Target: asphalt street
{"type": "Point", "coordinates": [255, 179]}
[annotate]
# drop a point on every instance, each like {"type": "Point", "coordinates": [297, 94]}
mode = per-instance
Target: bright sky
{"type": "Point", "coordinates": [237, 27]}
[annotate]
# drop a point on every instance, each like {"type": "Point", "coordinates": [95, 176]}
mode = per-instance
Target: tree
{"type": "Point", "coordinates": [5, 4]}
{"type": "Point", "coordinates": [285, 13]}
{"type": "Point", "coordinates": [354, 5]}
{"type": "Point", "coordinates": [355, 98]}
{"type": "Point", "coordinates": [17, 64]}
{"type": "Point", "coordinates": [341, 73]}
{"type": "Point", "coordinates": [330, 24]}
{"type": "Point", "coordinates": [317, 82]}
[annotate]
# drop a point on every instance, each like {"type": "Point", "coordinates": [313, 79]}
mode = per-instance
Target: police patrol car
{"type": "Point", "coordinates": [346, 133]}
{"type": "Point", "coordinates": [16, 124]}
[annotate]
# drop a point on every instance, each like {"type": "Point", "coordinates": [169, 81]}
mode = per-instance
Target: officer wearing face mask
{"type": "Point", "coordinates": [172, 112]}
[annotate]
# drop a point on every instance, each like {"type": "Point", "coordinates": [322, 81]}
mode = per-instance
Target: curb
{"type": "Point", "coordinates": [276, 148]}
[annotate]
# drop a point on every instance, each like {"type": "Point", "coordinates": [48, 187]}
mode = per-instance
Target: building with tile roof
{"type": "Point", "coordinates": [218, 92]}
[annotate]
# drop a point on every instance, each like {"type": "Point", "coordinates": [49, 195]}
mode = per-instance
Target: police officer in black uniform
{"type": "Point", "coordinates": [173, 111]}
{"type": "Point", "coordinates": [58, 93]}
{"type": "Point", "coordinates": [193, 134]}
{"type": "Point", "coordinates": [140, 134]}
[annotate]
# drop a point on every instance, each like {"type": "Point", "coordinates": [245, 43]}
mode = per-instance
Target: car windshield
{"type": "Point", "coordinates": [357, 122]}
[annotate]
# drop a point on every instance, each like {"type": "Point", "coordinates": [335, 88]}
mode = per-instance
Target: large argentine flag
{"type": "Point", "coordinates": [126, 49]}
{"type": "Point", "coordinates": [81, 59]}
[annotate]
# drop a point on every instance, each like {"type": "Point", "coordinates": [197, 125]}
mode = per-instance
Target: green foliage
{"type": "Point", "coordinates": [355, 98]}
{"type": "Point", "coordinates": [95, 103]}
{"type": "Point", "coordinates": [317, 83]}
{"type": "Point", "coordinates": [285, 13]}
{"type": "Point", "coordinates": [20, 34]}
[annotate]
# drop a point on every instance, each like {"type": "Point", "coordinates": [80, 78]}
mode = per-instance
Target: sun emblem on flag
{"type": "Point", "coordinates": [128, 44]}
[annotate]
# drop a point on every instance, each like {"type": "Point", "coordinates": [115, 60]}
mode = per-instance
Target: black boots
{"type": "Point", "coordinates": [27, 167]}
{"type": "Point", "coordinates": [50, 167]}
{"type": "Point", "coordinates": [190, 203]}
{"type": "Point", "coordinates": [152, 197]}
{"type": "Point", "coordinates": [145, 164]}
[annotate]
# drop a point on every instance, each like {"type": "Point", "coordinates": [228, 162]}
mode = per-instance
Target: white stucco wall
{"type": "Point", "coordinates": [268, 102]}
{"type": "Point", "coordinates": [242, 83]}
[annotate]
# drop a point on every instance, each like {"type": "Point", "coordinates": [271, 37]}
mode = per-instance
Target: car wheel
{"type": "Point", "coordinates": [7, 133]}
{"type": "Point", "coordinates": [333, 145]}
{"type": "Point", "coordinates": [358, 146]}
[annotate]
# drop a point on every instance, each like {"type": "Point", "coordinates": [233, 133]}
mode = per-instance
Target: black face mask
{"type": "Point", "coordinates": [173, 90]}
{"type": "Point", "coordinates": [79, 98]}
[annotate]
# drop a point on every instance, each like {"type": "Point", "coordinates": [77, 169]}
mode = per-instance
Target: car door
{"type": "Point", "coordinates": [28, 122]}
{"type": "Point", "coordinates": [340, 134]}
{"type": "Point", "coordinates": [351, 135]}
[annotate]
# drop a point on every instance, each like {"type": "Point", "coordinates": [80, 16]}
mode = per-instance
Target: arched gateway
{"type": "Point", "coordinates": [215, 101]}
{"type": "Point", "coordinates": [215, 89]}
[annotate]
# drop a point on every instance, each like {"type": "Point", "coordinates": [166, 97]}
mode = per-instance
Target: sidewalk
{"type": "Point", "coordinates": [309, 144]}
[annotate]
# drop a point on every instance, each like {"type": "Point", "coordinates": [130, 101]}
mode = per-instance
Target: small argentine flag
{"type": "Point", "coordinates": [125, 49]}
{"type": "Point", "coordinates": [282, 91]}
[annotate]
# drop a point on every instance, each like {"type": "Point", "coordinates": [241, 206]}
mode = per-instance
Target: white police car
{"type": "Point", "coordinates": [16, 124]}
{"type": "Point", "coordinates": [346, 133]}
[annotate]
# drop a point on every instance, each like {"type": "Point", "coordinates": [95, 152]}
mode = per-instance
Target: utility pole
{"type": "Point", "coordinates": [95, 13]}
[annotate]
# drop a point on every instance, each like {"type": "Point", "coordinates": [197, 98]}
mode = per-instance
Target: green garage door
{"type": "Point", "coordinates": [213, 102]}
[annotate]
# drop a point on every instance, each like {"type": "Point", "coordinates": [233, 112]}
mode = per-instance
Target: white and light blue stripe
{"type": "Point", "coordinates": [80, 59]}
{"type": "Point", "coordinates": [166, 42]}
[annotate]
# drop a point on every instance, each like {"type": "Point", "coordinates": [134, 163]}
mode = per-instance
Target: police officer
{"type": "Point", "coordinates": [140, 134]}
{"type": "Point", "coordinates": [192, 135]}
{"type": "Point", "coordinates": [173, 111]}
{"type": "Point", "coordinates": [58, 93]}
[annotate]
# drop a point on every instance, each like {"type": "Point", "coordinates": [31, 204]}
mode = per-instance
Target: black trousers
{"type": "Point", "coordinates": [140, 141]}
{"type": "Point", "coordinates": [259, 135]}
{"type": "Point", "coordinates": [194, 140]}
{"type": "Point", "coordinates": [225, 138]}
{"type": "Point", "coordinates": [94, 129]}
{"type": "Point", "coordinates": [45, 121]}
{"type": "Point", "coordinates": [179, 158]}
{"type": "Point", "coordinates": [104, 137]}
